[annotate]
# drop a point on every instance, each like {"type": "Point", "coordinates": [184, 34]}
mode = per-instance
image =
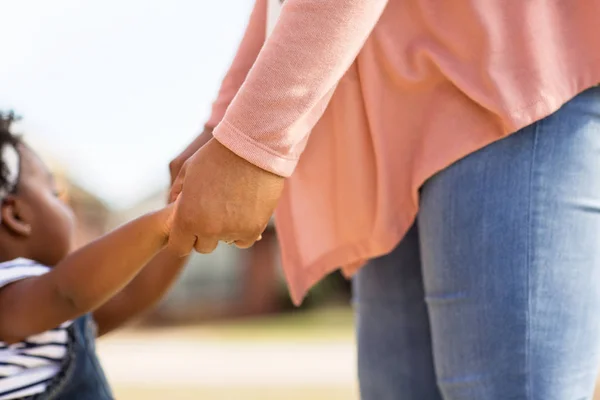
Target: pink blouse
{"type": "Point", "coordinates": [391, 92]}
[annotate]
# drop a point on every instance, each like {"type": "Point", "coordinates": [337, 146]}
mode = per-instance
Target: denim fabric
{"type": "Point", "coordinates": [494, 294]}
{"type": "Point", "coordinates": [82, 377]}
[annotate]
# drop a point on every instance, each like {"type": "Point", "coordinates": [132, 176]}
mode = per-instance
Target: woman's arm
{"type": "Point", "coordinates": [83, 281]}
{"type": "Point", "coordinates": [291, 82]}
{"type": "Point", "coordinates": [144, 291]}
{"type": "Point", "coordinates": [229, 189]}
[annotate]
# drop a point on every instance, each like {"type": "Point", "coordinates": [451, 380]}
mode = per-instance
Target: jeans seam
{"type": "Point", "coordinates": [528, 384]}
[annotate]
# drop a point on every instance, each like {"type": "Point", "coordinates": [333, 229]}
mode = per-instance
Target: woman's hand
{"type": "Point", "coordinates": [221, 197]}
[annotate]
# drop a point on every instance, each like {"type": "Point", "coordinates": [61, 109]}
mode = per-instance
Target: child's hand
{"type": "Point", "coordinates": [165, 218]}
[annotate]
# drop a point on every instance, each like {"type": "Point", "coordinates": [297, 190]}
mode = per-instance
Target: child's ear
{"type": "Point", "coordinates": [14, 216]}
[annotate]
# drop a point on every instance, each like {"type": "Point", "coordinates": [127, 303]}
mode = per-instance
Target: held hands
{"type": "Point", "coordinates": [164, 220]}
{"type": "Point", "coordinates": [220, 197]}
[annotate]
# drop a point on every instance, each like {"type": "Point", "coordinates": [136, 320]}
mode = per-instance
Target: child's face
{"type": "Point", "coordinates": [52, 221]}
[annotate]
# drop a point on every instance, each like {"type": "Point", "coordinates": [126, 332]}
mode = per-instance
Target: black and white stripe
{"type": "Point", "coordinates": [27, 367]}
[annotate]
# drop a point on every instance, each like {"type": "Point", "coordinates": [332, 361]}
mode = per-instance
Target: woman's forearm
{"type": "Point", "coordinates": [288, 88]}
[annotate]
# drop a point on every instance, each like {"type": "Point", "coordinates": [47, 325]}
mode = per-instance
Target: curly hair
{"type": "Point", "coordinates": [7, 138]}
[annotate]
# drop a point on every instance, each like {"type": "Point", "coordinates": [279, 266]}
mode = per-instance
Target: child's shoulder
{"type": "Point", "coordinates": [20, 268]}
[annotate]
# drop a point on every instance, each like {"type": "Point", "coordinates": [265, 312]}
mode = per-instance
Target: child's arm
{"type": "Point", "coordinates": [83, 281]}
{"type": "Point", "coordinates": [142, 293]}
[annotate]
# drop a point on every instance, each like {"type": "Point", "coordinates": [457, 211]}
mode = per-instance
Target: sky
{"type": "Point", "coordinates": [114, 89]}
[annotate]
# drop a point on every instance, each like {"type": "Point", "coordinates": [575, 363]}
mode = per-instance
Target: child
{"type": "Point", "coordinates": [53, 303]}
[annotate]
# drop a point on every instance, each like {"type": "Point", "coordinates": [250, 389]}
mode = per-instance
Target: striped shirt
{"type": "Point", "coordinates": [26, 368]}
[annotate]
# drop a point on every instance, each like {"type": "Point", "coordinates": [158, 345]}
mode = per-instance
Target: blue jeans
{"type": "Point", "coordinates": [82, 377]}
{"type": "Point", "coordinates": [494, 293]}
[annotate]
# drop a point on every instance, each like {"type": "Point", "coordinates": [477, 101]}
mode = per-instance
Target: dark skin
{"type": "Point", "coordinates": [115, 277]}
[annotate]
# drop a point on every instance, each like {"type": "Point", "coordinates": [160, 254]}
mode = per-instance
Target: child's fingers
{"type": "Point", "coordinates": [175, 190]}
{"type": "Point", "coordinates": [181, 239]}
{"type": "Point", "coordinates": [177, 185]}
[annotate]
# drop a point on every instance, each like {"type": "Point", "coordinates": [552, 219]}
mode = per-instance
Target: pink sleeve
{"type": "Point", "coordinates": [291, 82]}
{"type": "Point", "coordinates": [253, 40]}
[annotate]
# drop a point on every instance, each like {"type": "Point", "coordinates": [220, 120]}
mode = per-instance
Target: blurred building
{"type": "Point", "coordinates": [92, 215]}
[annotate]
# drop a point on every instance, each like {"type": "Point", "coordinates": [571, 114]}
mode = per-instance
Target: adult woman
{"type": "Point", "coordinates": [491, 293]}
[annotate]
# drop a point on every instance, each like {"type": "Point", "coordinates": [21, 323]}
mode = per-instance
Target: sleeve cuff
{"type": "Point", "coordinates": [252, 151]}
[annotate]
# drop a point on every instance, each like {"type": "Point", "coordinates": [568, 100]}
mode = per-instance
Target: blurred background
{"type": "Point", "coordinates": [110, 91]}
